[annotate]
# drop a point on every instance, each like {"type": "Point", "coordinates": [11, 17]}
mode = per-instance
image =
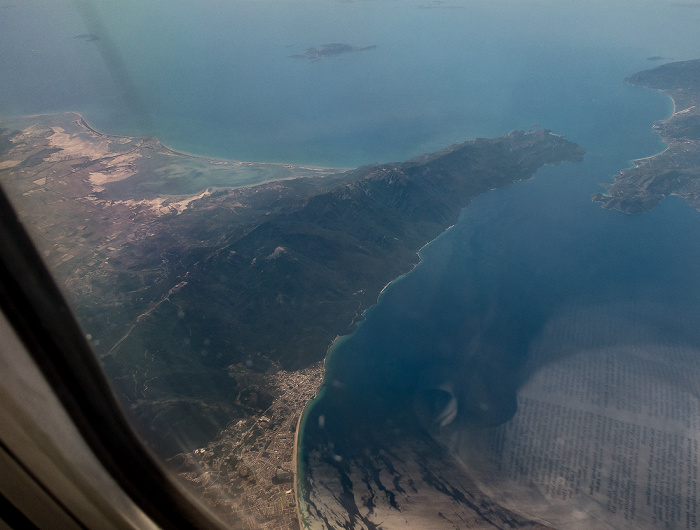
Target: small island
{"type": "Point", "coordinates": [212, 289]}
{"type": "Point", "coordinates": [675, 171]}
{"type": "Point", "coordinates": [329, 50]}
{"type": "Point", "coordinates": [88, 37]}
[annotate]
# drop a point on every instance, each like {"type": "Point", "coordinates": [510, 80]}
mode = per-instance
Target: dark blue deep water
{"type": "Point", "coordinates": [485, 289]}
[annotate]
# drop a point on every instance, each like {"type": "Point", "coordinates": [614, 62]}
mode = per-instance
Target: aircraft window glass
{"type": "Point", "coordinates": [388, 216]}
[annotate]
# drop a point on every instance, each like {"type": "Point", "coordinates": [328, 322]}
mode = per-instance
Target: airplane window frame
{"type": "Point", "coordinates": [41, 318]}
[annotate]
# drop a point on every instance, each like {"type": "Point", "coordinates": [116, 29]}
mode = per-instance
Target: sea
{"type": "Point", "coordinates": [220, 78]}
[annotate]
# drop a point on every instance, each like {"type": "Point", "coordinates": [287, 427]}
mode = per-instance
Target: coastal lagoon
{"type": "Point", "coordinates": [533, 283]}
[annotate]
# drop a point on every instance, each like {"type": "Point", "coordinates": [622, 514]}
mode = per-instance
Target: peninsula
{"type": "Point", "coordinates": [211, 290]}
{"type": "Point", "coordinates": [675, 171]}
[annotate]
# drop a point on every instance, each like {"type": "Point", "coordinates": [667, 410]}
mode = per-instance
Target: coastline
{"type": "Point", "coordinates": [672, 171]}
{"type": "Point", "coordinates": [420, 259]}
{"type": "Point", "coordinates": [298, 474]}
{"type": "Point", "coordinates": [85, 125]}
{"type": "Point", "coordinates": [674, 113]}
{"type": "Point", "coordinates": [295, 459]}
{"type": "Point", "coordinates": [214, 160]}
{"type": "Point", "coordinates": [295, 465]}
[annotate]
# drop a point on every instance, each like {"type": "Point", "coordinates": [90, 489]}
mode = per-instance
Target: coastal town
{"type": "Point", "coordinates": [247, 474]}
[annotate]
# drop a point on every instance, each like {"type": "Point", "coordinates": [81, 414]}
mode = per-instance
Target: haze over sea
{"type": "Point", "coordinates": [215, 78]}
